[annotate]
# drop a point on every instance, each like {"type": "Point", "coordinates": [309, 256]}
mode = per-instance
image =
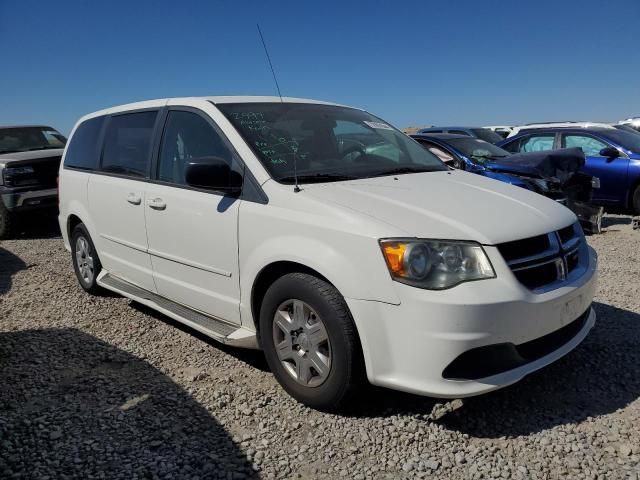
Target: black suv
{"type": "Point", "coordinates": [29, 161]}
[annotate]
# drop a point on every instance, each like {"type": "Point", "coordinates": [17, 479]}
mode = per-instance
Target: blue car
{"type": "Point", "coordinates": [612, 155]}
{"type": "Point", "coordinates": [554, 174]}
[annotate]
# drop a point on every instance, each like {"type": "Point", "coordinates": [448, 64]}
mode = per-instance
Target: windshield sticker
{"type": "Point", "coordinates": [378, 125]}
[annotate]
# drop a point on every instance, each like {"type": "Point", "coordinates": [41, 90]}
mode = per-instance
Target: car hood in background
{"type": "Point", "coordinates": [452, 205]}
{"type": "Point", "coordinates": [20, 157]}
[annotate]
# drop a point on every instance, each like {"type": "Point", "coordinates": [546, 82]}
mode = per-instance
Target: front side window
{"type": "Point", "coordinates": [590, 146]}
{"type": "Point", "coordinates": [537, 143]}
{"type": "Point", "coordinates": [82, 151]}
{"type": "Point", "coordinates": [127, 143]}
{"type": "Point", "coordinates": [24, 139]}
{"type": "Point", "coordinates": [325, 142]}
{"type": "Point", "coordinates": [441, 154]}
{"type": "Point", "coordinates": [188, 136]}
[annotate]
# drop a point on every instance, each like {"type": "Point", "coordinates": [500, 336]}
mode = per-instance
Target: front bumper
{"type": "Point", "coordinates": [25, 199]}
{"type": "Point", "coordinates": [409, 346]}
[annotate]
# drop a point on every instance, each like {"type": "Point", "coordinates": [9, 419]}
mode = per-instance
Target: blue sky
{"type": "Point", "coordinates": [450, 62]}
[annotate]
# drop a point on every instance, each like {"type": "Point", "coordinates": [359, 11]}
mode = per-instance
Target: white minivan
{"type": "Point", "coordinates": [324, 236]}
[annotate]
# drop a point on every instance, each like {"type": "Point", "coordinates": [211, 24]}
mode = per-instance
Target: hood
{"type": "Point", "coordinates": [19, 157]}
{"type": "Point", "coordinates": [453, 205]}
{"type": "Point", "coordinates": [557, 165]}
{"type": "Point", "coordinates": [513, 179]}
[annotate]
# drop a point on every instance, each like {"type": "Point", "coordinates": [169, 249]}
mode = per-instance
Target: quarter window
{"type": "Point", "coordinates": [188, 136]}
{"type": "Point", "coordinates": [82, 151]}
{"type": "Point", "coordinates": [589, 145]}
{"type": "Point", "coordinates": [127, 143]}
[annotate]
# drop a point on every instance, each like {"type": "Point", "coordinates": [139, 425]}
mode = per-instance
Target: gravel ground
{"type": "Point", "coordinates": [104, 388]}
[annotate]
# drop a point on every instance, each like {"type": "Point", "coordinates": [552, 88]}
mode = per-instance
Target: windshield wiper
{"type": "Point", "coordinates": [318, 177]}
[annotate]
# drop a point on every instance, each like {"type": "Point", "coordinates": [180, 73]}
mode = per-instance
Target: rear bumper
{"type": "Point", "coordinates": [25, 199]}
{"type": "Point", "coordinates": [415, 346]}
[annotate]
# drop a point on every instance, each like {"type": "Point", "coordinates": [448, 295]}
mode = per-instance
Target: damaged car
{"type": "Point", "coordinates": [554, 173]}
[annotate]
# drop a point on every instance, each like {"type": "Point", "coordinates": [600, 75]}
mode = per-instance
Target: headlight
{"type": "Point", "coordinates": [18, 170]}
{"type": "Point", "coordinates": [435, 264]}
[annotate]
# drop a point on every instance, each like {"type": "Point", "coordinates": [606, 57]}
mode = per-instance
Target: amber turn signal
{"type": "Point", "coordinates": [394, 254]}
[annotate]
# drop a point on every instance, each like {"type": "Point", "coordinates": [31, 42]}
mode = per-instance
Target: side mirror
{"type": "Point", "coordinates": [212, 173]}
{"type": "Point", "coordinates": [610, 152]}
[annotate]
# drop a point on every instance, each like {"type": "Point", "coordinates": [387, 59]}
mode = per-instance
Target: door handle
{"type": "Point", "coordinates": [157, 204]}
{"type": "Point", "coordinates": [134, 199]}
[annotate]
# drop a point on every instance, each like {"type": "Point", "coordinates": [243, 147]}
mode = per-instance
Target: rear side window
{"type": "Point", "coordinates": [82, 151]}
{"type": "Point", "coordinates": [537, 143]}
{"type": "Point", "coordinates": [127, 144]}
{"type": "Point", "coordinates": [459, 132]}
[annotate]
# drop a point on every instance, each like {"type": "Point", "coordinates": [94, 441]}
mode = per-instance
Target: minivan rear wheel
{"type": "Point", "coordinates": [310, 341]}
{"type": "Point", "coordinates": [85, 259]}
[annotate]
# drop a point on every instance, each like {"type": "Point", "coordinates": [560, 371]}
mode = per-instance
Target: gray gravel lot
{"type": "Point", "coordinates": [104, 388]}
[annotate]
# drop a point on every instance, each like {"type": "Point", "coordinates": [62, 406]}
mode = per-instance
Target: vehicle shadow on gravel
{"type": "Point", "coordinates": [253, 358]}
{"type": "Point", "coordinates": [72, 404]}
{"type": "Point", "coordinates": [9, 265]}
{"type": "Point", "coordinates": [597, 378]}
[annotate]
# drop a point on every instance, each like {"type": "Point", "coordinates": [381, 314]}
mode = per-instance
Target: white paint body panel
{"type": "Point", "coordinates": [120, 234]}
{"type": "Point", "coordinates": [208, 258]}
{"type": "Point", "coordinates": [193, 244]}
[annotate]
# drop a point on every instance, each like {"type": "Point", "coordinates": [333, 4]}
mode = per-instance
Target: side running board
{"type": "Point", "coordinates": [215, 328]}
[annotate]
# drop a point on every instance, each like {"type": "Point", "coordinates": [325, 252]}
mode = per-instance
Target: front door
{"type": "Point", "coordinates": [193, 233]}
{"type": "Point", "coordinates": [612, 172]}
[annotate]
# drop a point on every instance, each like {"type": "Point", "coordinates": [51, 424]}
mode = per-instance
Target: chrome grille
{"type": "Point", "coordinates": [542, 261]}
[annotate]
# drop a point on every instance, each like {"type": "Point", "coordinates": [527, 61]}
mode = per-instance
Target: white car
{"type": "Point", "coordinates": [327, 238]}
{"type": "Point", "coordinates": [536, 126]}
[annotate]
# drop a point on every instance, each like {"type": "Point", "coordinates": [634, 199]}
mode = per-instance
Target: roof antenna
{"type": "Point", "coordinates": [270, 64]}
{"type": "Point", "coordinates": [296, 187]}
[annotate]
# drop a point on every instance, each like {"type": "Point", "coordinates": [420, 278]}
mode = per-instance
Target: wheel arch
{"type": "Point", "coordinates": [635, 184]}
{"type": "Point", "coordinates": [269, 274]}
{"type": "Point", "coordinates": [73, 221]}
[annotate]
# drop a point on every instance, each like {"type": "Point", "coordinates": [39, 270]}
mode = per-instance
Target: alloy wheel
{"type": "Point", "coordinates": [84, 260]}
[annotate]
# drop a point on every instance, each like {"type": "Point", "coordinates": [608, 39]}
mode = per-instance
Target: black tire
{"type": "Point", "coordinates": [6, 222]}
{"type": "Point", "coordinates": [88, 284]}
{"type": "Point", "coordinates": [635, 201]}
{"type": "Point", "coordinates": [346, 364]}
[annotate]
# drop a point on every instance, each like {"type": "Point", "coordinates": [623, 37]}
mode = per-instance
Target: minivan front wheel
{"type": "Point", "coordinates": [85, 259]}
{"type": "Point", "coordinates": [310, 341]}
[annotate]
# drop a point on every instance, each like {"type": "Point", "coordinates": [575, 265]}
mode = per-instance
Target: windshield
{"type": "Point", "coordinates": [327, 143]}
{"type": "Point", "coordinates": [487, 135]}
{"type": "Point", "coordinates": [478, 150]}
{"type": "Point", "coordinates": [22, 139]}
{"type": "Point", "coordinates": [628, 140]}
